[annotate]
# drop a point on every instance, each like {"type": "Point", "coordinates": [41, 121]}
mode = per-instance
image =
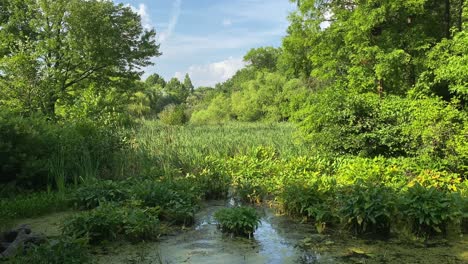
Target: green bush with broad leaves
{"type": "Point", "coordinates": [91, 194]}
{"type": "Point", "coordinates": [110, 221]}
{"type": "Point", "coordinates": [212, 178]}
{"type": "Point", "coordinates": [178, 199]}
{"type": "Point", "coordinates": [253, 175]}
{"type": "Point", "coordinates": [315, 201]}
{"type": "Point", "coordinates": [429, 210]}
{"type": "Point", "coordinates": [367, 207]}
{"type": "Point", "coordinates": [241, 221]}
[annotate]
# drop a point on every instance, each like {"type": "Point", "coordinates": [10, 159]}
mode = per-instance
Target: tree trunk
{"type": "Point", "coordinates": [447, 19]}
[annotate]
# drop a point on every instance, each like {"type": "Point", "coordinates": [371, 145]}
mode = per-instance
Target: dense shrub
{"type": "Point", "coordinates": [95, 192]}
{"type": "Point", "coordinates": [212, 179]}
{"type": "Point", "coordinates": [110, 221]}
{"type": "Point", "coordinates": [367, 207]}
{"type": "Point", "coordinates": [367, 125]}
{"type": "Point", "coordinates": [252, 173]}
{"type": "Point", "coordinates": [242, 221]}
{"type": "Point", "coordinates": [178, 200]}
{"type": "Point", "coordinates": [429, 210]}
{"type": "Point", "coordinates": [312, 199]}
{"type": "Point", "coordinates": [35, 152]}
{"type": "Point", "coordinates": [173, 115]}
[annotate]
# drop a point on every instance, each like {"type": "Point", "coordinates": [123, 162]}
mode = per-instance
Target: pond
{"type": "Point", "coordinates": [279, 239]}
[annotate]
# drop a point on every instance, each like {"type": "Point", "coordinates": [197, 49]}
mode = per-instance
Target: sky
{"type": "Point", "coordinates": [208, 38]}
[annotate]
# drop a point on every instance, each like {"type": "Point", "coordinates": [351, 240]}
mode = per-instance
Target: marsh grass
{"type": "Point", "coordinates": [160, 149]}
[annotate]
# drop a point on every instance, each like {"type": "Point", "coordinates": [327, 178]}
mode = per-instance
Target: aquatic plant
{"type": "Point", "coordinates": [242, 221]}
{"type": "Point", "coordinates": [94, 192]}
{"type": "Point", "coordinates": [428, 209]}
{"type": "Point", "coordinates": [110, 221]}
{"type": "Point", "coordinates": [367, 207]}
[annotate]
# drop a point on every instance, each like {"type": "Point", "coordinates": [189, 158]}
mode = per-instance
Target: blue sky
{"type": "Point", "coordinates": [208, 38]}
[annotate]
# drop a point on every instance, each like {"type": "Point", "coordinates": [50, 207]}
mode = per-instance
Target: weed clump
{"type": "Point", "coordinates": [239, 221]}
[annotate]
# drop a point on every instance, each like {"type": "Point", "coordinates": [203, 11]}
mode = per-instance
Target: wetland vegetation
{"type": "Point", "coordinates": [347, 144]}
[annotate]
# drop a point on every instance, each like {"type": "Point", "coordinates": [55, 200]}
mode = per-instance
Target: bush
{"type": "Point", "coordinates": [311, 199]}
{"type": "Point", "coordinates": [367, 207]}
{"type": "Point", "coordinates": [95, 192]}
{"type": "Point", "coordinates": [35, 152]}
{"type": "Point", "coordinates": [242, 221]}
{"type": "Point", "coordinates": [177, 200]}
{"type": "Point", "coordinates": [213, 179]}
{"type": "Point", "coordinates": [173, 115]}
{"type": "Point", "coordinates": [63, 250]}
{"type": "Point", "coordinates": [110, 221]}
{"type": "Point", "coordinates": [429, 210]}
{"type": "Point", "coordinates": [339, 122]}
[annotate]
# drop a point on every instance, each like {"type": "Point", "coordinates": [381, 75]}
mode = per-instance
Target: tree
{"type": "Point", "coordinates": [264, 58]}
{"type": "Point", "coordinates": [177, 90]}
{"type": "Point", "coordinates": [57, 48]}
{"type": "Point", "coordinates": [155, 80]}
{"type": "Point", "coordinates": [188, 84]}
{"type": "Point", "coordinates": [368, 46]}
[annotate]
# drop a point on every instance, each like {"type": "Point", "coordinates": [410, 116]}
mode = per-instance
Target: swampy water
{"type": "Point", "coordinates": [279, 239]}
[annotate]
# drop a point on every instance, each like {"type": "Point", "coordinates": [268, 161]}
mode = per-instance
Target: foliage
{"type": "Point", "coordinates": [56, 49]}
{"type": "Point", "coordinates": [213, 179]}
{"type": "Point", "coordinates": [57, 251]}
{"type": "Point", "coordinates": [242, 221]}
{"type": "Point", "coordinates": [94, 193]}
{"type": "Point", "coordinates": [251, 174]}
{"type": "Point", "coordinates": [31, 205]}
{"type": "Point", "coordinates": [428, 209]}
{"type": "Point", "coordinates": [173, 115]}
{"type": "Point", "coordinates": [315, 201]}
{"type": "Point", "coordinates": [264, 58]}
{"type": "Point", "coordinates": [177, 200]}
{"type": "Point", "coordinates": [367, 207]}
{"type": "Point", "coordinates": [365, 125]}
{"type": "Point", "coordinates": [110, 222]}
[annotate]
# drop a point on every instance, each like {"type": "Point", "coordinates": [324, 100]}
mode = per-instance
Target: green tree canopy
{"type": "Point", "coordinates": [54, 49]}
{"type": "Point", "coordinates": [264, 58]}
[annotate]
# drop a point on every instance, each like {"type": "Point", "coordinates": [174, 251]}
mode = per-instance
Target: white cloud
{"type": "Point", "coordinates": [213, 73]}
{"type": "Point", "coordinates": [176, 8]}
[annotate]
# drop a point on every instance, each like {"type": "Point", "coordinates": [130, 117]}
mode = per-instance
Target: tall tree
{"type": "Point", "coordinates": [177, 90]}
{"type": "Point", "coordinates": [155, 79]}
{"type": "Point", "coordinates": [58, 47]}
{"type": "Point", "coordinates": [264, 58]}
{"type": "Point", "coordinates": [188, 84]}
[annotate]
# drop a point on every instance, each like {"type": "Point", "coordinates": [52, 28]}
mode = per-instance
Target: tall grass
{"type": "Point", "coordinates": [171, 150]}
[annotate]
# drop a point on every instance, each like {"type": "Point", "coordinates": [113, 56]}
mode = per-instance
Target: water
{"type": "Point", "coordinates": [274, 242]}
